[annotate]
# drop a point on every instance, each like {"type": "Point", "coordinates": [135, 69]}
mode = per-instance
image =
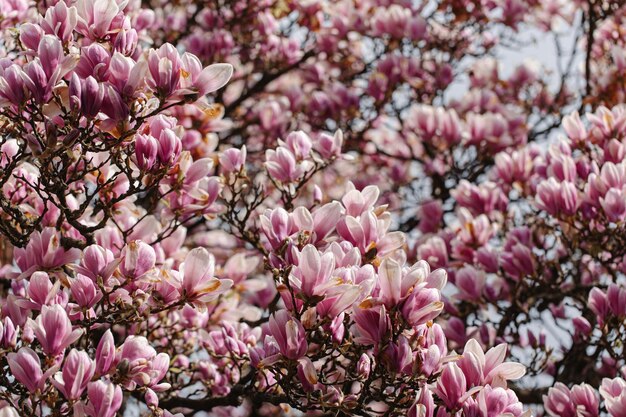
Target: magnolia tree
{"type": "Point", "coordinates": [324, 208]}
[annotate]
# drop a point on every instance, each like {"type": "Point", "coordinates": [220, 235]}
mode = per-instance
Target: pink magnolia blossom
{"type": "Point", "coordinates": [53, 329]}
{"type": "Point", "coordinates": [612, 391]}
{"type": "Point", "coordinates": [232, 160]}
{"type": "Point", "coordinates": [198, 280]}
{"type": "Point", "coordinates": [581, 400]}
{"type": "Point", "coordinates": [78, 369]}
{"type": "Point", "coordinates": [43, 251]}
{"type": "Point", "coordinates": [289, 334]}
{"type": "Point", "coordinates": [488, 367]}
{"type": "Point", "coordinates": [313, 270]}
{"type": "Point", "coordinates": [85, 292]}
{"type": "Point", "coordinates": [26, 367]}
{"type": "Point", "coordinates": [105, 353]}
{"type": "Point", "coordinates": [105, 398]}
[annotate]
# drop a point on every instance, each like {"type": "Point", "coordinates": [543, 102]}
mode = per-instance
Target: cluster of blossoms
{"type": "Point", "coordinates": [85, 133]}
{"type": "Point", "coordinates": [341, 307]}
{"type": "Point", "coordinates": [274, 207]}
{"type": "Point", "coordinates": [543, 233]}
{"type": "Point", "coordinates": [85, 367]}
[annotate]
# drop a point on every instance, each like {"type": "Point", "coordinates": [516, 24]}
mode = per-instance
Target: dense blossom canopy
{"type": "Point", "coordinates": [321, 208]}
